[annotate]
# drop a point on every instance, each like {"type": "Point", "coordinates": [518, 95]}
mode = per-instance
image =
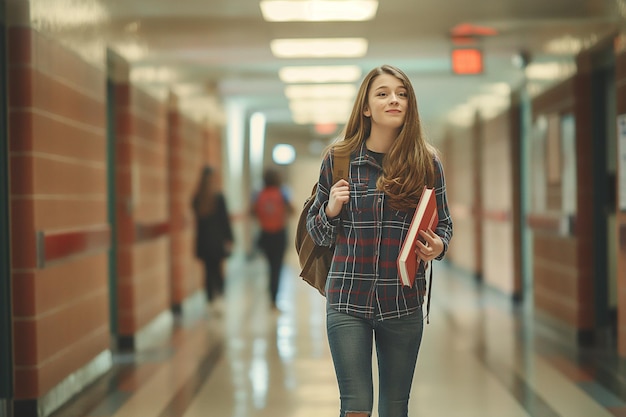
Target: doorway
{"type": "Point", "coordinates": [604, 129]}
{"type": "Point", "coordinates": [111, 198]}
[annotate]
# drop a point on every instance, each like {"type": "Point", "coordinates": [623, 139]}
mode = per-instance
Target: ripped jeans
{"type": "Point", "coordinates": [397, 345]}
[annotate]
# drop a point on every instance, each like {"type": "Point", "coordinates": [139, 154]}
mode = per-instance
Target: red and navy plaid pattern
{"type": "Point", "coordinates": [363, 279]}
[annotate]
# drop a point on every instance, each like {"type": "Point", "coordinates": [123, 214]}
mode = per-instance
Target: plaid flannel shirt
{"type": "Point", "coordinates": [368, 234]}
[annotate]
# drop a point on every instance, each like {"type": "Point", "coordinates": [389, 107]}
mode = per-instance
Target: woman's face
{"type": "Point", "coordinates": [387, 102]}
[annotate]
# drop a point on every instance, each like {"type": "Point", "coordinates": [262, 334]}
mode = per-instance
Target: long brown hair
{"type": "Point", "coordinates": [204, 199]}
{"type": "Point", "coordinates": [408, 165]}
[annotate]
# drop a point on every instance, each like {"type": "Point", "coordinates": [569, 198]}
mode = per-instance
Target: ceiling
{"type": "Point", "coordinates": [216, 52]}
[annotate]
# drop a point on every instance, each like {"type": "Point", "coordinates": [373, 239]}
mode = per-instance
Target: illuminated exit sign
{"type": "Point", "coordinates": [467, 61]}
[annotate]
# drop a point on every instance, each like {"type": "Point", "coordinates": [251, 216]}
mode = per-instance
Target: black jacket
{"type": "Point", "coordinates": [213, 231]}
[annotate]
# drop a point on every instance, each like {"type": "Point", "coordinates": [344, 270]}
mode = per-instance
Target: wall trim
{"type": "Point", "coordinates": [152, 334]}
{"type": "Point", "coordinates": [60, 245]}
{"type": "Point", "coordinates": [73, 384]}
{"type": "Point", "coordinates": [192, 307]}
{"type": "Point", "coordinates": [556, 223]}
{"type": "Point", "coordinates": [150, 231]}
{"type": "Point", "coordinates": [561, 332]}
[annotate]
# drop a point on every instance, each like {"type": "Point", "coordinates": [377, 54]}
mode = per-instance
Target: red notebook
{"type": "Point", "coordinates": [425, 217]}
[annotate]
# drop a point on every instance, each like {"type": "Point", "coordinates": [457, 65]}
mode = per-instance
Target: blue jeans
{"type": "Point", "coordinates": [397, 345]}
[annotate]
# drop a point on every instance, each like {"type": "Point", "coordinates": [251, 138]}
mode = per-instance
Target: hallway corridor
{"type": "Point", "coordinates": [479, 358]}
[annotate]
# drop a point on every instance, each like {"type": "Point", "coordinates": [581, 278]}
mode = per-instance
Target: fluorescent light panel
{"type": "Point", "coordinates": [153, 75]}
{"type": "Point", "coordinates": [320, 74]}
{"type": "Point", "coordinates": [319, 48]}
{"type": "Point", "coordinates": [321, 106]}
{"type": "Point", "coordinates": [320, 110]}
{"type": "Point", "coordinates": [321, 91]}
{"type": "Point", "coordinates": [550, 71]}
{"type": "Point", "coordinates": [315, 119]}
{"type": "Point", "coordinates": [318, 10]}
{"type": "Point", "coordinates": [187, 89]}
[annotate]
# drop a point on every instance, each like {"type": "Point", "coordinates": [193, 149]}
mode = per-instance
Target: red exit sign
{"type": "Point", "coordinates": [467, 61]}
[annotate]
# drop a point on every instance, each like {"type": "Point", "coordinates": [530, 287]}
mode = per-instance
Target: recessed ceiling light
{"type": "Point", "coordinates": [550, 71]}
{"type": "Point", "coordinates": [283, 154]}
{"type": "Point", "coordinates": [500, 89]}
{"type": "Point", "coordinates": [153, 75]}
{"type": "Point", "coordinates": [321, 105]}
{"type": "Point", "coordinates": [565, 45]}
{"type": "Point", "coordinates": [186, 89]}
{"type": "Point", "coordinates": [65, 14]}
{"type": "Point", "coordinates": [131, 51]}
{"type": "Point", "coordinates": [320, 74]}
{"type": "Point", "coordinates": [318, 10]}
{"type": "Point", "coordinates": [318, 91]}
{"type": "Point", "coordinates": [314, 119]}
{"type": "Point", "coordinates": [320, 111]}
{"type": "Point", "coordinates": [319, 48]}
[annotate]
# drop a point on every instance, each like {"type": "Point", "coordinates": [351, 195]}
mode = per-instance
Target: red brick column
{"type": "Point", "coordinates": [189, 151]}
{"type": "Point", "coordinates": [142, 207]}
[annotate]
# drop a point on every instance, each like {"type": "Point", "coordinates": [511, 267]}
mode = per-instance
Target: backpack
{"type": "Point", "coordinates": [315, 260]}
{"type": "Point", "coordinates": [271, 210]}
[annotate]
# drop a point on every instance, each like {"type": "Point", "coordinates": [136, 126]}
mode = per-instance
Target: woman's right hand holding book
{"type": "Point", "coordinates": [430, 248]}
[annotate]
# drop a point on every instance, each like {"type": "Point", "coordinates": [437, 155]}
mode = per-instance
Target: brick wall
{"type": "Point", "coordinates": [142, 209]}
{"type": "Point", "coordinates": [59, 229]}
{"type": "Point", "coordinates": [188, 144]}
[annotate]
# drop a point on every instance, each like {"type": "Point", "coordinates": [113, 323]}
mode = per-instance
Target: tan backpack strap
{"type": "Point", "coordinates": [341, 167]}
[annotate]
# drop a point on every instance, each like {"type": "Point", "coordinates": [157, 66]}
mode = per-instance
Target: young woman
{"type": "Point", "coordinates": [214, 236]}
{"type": "Point", "coordinates": [367, 218]}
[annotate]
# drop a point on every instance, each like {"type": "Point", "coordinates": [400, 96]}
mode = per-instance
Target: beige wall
{"type": "Point", "coordinates": [497, 189]}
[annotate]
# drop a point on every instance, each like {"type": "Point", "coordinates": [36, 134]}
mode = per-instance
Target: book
{"type": "Point", "coordinates": [424, 218]}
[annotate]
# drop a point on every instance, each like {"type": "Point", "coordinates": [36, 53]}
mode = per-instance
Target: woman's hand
{"type": "Point", "coordinates": [339, 195]}
{"type": "Point", "coordinates": [432, 247]}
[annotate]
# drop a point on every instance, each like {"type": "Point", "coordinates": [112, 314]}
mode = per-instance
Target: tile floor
{"type": "Point", "coordinates": [480, 357]}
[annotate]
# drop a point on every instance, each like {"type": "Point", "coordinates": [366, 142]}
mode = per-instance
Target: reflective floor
{"type": "Point", "coordinates": [479, 358]}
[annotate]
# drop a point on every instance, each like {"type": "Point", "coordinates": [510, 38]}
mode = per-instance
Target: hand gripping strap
{"type": "Point", "coordinates": [341, 167]}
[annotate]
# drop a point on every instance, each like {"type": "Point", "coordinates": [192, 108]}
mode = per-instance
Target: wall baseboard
{"type": "Point", "coordinates": [65, 390]}
{"type": "Point", "coordinates": [152, 334]}
{"type": "Point", "coordinates": [4, 408]}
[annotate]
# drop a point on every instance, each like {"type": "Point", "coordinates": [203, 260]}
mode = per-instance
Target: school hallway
{"type": "Point", "coordinates": [480, 357]}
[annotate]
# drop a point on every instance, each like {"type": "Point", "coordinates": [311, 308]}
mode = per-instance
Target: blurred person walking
{"type": "Point", "coordinates": [272, 208]}
{"type": "Point", "coordinates": [367, 218]}
{"type": "Point", "coordinates": [214, 236]}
